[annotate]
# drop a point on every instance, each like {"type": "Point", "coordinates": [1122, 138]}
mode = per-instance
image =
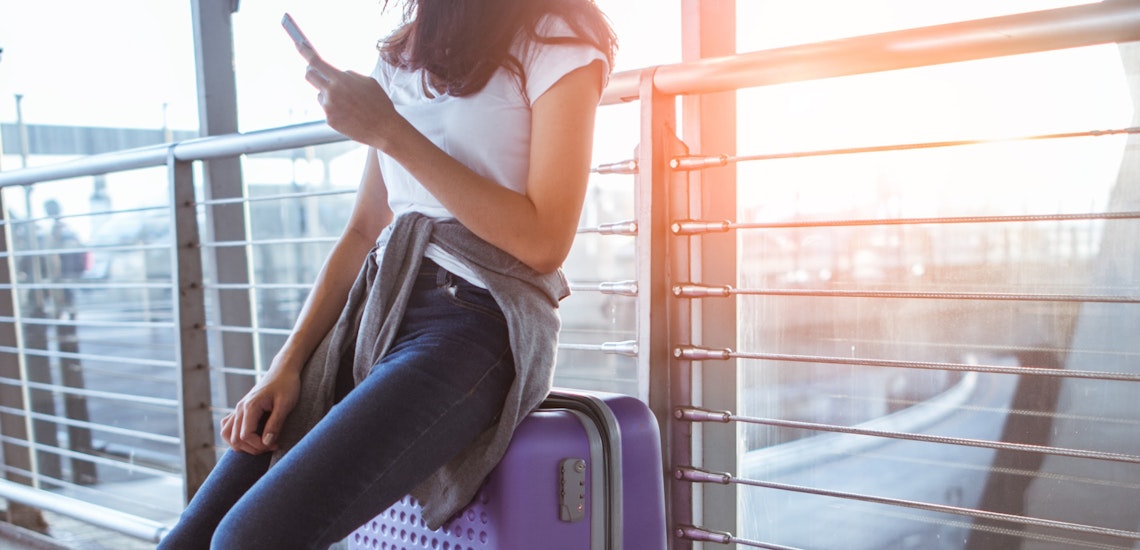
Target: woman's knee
{"type": "Point", "coordinates": [235, 534]}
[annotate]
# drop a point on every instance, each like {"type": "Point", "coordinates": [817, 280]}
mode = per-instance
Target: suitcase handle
{"type": "Point", "coordinates": [594, 410]}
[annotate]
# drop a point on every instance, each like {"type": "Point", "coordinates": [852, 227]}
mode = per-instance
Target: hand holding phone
{"type": "Point", "coordinates": [353, 103]}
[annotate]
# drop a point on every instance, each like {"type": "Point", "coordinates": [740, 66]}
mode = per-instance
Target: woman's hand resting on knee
{"type": "Point", "coordinates": [271, 399]}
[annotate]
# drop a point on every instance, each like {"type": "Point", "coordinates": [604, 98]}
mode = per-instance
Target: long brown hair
{"type": "Point", "coordinates": [461, 43]}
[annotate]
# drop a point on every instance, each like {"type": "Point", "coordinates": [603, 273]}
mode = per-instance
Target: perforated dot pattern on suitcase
{"type": "Point", "coordinates": [402, 528]}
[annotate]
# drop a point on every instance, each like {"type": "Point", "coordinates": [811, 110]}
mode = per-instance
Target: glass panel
{"type": "Point", "coordinates": [879, 316]}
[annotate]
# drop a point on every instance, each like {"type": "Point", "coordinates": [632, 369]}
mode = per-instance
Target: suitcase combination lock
{"type": "Point", "coordinates": [572, 492]}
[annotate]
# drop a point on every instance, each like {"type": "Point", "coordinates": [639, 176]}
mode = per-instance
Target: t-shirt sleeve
{"type": "Point", "coordinates": [382, 73]}
{"type": "Point", "coordinates": [545, 64]}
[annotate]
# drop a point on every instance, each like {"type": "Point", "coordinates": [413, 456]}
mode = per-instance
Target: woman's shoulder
{"type": "Point", "coordinates": [383, 70]}
{"type": "Point", "coordinates": [569, 23]}
{"type": "Point", "coordinates": [551, 31]}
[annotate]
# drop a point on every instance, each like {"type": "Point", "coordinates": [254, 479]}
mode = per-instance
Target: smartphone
{"type": "Point", "coordinates": [295, 33]}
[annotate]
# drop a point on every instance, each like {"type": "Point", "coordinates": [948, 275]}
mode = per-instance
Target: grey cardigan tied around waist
{"type": "Point", "coordinates": [374, 310]}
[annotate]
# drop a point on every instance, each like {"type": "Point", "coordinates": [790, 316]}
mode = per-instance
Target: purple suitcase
{"type": "Point", "coordinates": [582, 473]}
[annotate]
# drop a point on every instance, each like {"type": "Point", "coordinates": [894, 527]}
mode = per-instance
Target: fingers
{"type": "Point", "coordinates": [231, 433]}
{"type": "Point", "coordinates": [250, 434]}
{"type": "Point", "coordinates": [227, 427]}
{"type": "Point", "coordinates": [242, 430]}
{"type": "Point", "coordinates": [317, 62]}
{"type": "Point", "coordinates": [255, 423]}
{"type": "Point", "coordinates": [319, 73]}
{"type": "Point", "coordinates": [320, 81]}
{"type": "Point", "coordinates": [315, 77]}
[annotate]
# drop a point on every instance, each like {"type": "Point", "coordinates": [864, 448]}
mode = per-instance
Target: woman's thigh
{"type": "Point", "coordinates": [440, 386]}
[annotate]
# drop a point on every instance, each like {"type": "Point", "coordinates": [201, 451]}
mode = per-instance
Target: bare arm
{"type": "Point", "coordinates": [322, 308]}
{"type": "Point", "coordinates": [277, 392]}
{"type": "Point", "coordinates": [537, 227]}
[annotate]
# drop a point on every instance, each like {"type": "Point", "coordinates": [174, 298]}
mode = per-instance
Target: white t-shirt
{"type": "Point", "coordinates": [489, 131]}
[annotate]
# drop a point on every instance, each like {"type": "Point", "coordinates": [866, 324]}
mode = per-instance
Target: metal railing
{"type": "Point", "coordinates": [677, 227]}
{"type": "Point", "coordinates": [664, 287]}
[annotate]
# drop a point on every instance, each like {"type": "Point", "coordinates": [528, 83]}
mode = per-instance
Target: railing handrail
{"type": "Point", "coordinates": [1084, 25]}
{"type": "Point", "coordinates": [204, 148]}
{"type": "Point", "coordinates": [1071, 27]}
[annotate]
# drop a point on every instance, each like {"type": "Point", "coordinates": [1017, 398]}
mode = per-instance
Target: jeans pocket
{"type": "Point", "coordinates": [468, 296]}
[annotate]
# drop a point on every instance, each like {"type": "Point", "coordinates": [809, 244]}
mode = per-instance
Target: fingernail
{"type": "Point", "coordinates": [267, 439]}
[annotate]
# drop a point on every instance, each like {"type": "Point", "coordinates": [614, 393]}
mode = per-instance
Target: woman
{"type": "Point", "coordinates": [418, 366]}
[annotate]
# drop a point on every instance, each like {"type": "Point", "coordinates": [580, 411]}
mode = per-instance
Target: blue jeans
{"type": "Point", "coordinates": [440, 386]}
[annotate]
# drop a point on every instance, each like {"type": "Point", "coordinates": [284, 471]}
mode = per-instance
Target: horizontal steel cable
{"type": "Point", "coordinates": [98, 459]}
{"type": "Point", "coordinates": [101, 214]}
{"type": "Point", "coordinates": [274, 197]}
{"type": "Point", "coordinates": [701, 415]}
{"type": "Point", "coordinates": [696, 227]}
{"type": "Point", "coordinates": [690, 290]}
{"type": "Point", "coordinates": [1124, 422]}
{"type": "Point", "coordinates": [701, 476]}
{"type": "Point", "coordinates": [616, 288]}
{"type": "Point", "coordinates": [701, 162]}
{"type": "Point", "coordinates": [1020, 218]}
{"type": "Point", "coordinates": [627, 348]}
{"type": "Point", "coordinates": [89, 357]}
{"type": "Point", "coordinates": [1000, 349]}
{"type": "Point", "coordinates": [262, 242]}
{"type": "Point", "coordinates": [700, 534]}
{"type": "Point", "coordinates": [243, 371]}
{"type": "Point", "coordinates": [115, 396]}
{"type": "Point", "coordinates": [945, 464]}
{"type": "Point", "coordinates": [697, 162]}
{"type": "Point", "coordinates": [89, 286]}
{"type": "Point", "coordinates": [627, 228]}
{"type": "Point", "coordinates": [87, 323]}
{"type": "Point", "coordinates": [709, 354]}
{"type": "Point", "coordinates": [139, 247]}
{"type": "Point", "coordinates": [248, 330]}
{"type": "Point", "coordinates": [258, 286]}
{"type": "Point", "coordinates": [94, 426]}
